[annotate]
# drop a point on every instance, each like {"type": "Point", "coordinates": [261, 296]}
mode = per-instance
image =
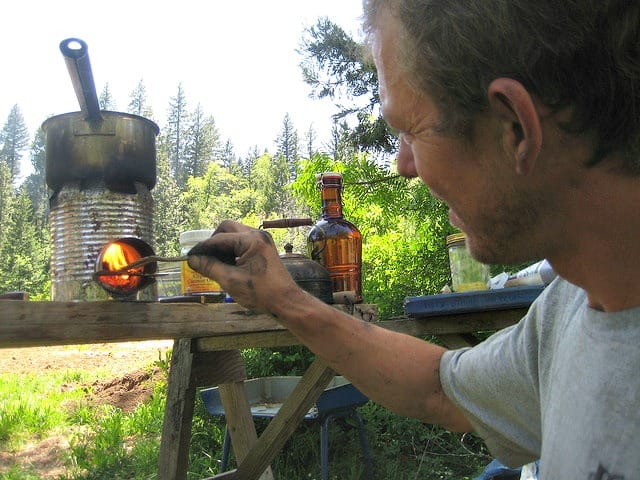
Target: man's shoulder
{"type": "Point", "coordinates": [560, 297]}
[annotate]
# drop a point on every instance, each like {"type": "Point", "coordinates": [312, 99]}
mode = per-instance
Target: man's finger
{"type": "Point", "coordinates": [229, 226]}
{"type": "Point", "coordinates": [208, 265]}
{"type": "Point", "coordinates": [221, 246]}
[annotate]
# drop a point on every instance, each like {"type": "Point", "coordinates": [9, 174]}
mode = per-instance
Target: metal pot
{"type": "Point", "coordinates": [309, 275]}
{"type": "Point", "coordinates": [93, 146]}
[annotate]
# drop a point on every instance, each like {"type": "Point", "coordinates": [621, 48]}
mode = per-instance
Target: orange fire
{"type": "Point", "coordinates": [116, 256]}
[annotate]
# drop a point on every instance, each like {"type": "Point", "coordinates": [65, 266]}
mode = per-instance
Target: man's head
{"type": "Point", "coordinates": [514, 176]}
{"type": "Point", "coordinates": [582, 55]}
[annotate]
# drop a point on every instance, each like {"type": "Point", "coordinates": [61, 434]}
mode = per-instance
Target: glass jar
{"type": "Point", "coordinates": [193, 283]}
{"type": "Point", "coordinates": [466, 272]}
{"type": "Point", "coordinates": [169, 280]}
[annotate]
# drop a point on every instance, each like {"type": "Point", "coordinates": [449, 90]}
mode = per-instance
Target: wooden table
{"type": "Point", "coordinates": [207, 343]}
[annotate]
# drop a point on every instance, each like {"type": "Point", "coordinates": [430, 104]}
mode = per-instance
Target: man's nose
{"type": "Point", "coordinates": [405, 161]}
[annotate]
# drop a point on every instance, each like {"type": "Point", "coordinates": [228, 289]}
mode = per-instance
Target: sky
{"type": "Point", "coordinates": [236, 58]}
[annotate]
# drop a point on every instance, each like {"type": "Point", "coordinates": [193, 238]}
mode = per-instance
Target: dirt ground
{"type": "Point", "coordinates": [118, 357]}
{"type": "Point", "coordinates": [130, 382]}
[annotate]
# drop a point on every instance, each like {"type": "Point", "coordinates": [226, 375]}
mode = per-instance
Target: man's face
{"type": "Point", "coordinates": [472, 175]}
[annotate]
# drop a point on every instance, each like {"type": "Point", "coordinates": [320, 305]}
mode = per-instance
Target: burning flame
{"type": "Point", "coordinates": [116, 256]}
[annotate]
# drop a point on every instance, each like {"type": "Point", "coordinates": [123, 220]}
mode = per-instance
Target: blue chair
{"type": "Point", "coordinates": [339, 400]}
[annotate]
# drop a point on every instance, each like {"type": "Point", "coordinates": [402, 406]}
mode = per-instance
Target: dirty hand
{"type": "Point", "coordinates": [246, 264]}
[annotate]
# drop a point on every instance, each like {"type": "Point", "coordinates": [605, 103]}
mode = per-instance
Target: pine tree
{"type": "Point", "coordinates": [35, 184]}
{"type": "Point", "coordinates": [14, 139]}
{"type": "Point", "coordinates": [202, 145]}
{"type": "Point", "coordinates": [24, 252]}
{"type": "Point", "coordinates": [176, 131]}
{"type": "Point", "coordinates": [138, 101]}
{"type": "Point", "coordinates": [310, 138]}
{"type": "Point", "coordinates": [336, 67]}
{"type": "Point", "coordinates": [341, 146]}
{"type": "Point", "coordinates": [169, 217]}
{"type": "Point", "coordinates": [248, 162]}
{"type": "Point", "coordinates": [227, 156]}
{"type": "Point", "coordinates": [6, 199]}
{"type": "Point", "coordinates": [106, 100]}
{"type": "Point", "coordinates": [287, 145]}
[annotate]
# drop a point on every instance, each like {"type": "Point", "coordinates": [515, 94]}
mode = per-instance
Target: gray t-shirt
{"type": "Point", "coordinates": [563, 385]}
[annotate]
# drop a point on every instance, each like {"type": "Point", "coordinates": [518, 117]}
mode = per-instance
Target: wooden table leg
{"type": "Point", "coordinates": [293, 410]}
{"type": "Point", "coordinates": [188, 371]}
{"type": "Point", "coordinates": [240, 422]}
{"type": "Point", "coordinates": [178, 414]}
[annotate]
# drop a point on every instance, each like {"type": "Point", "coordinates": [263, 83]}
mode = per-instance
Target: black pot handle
{"type": "Point", "coordinates": [76, 56]}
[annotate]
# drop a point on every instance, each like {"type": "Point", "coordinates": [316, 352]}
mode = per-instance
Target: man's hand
{"type": "Point", "coordinates": [246, 263]}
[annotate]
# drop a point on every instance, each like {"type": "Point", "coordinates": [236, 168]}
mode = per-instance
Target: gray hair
{"type": "Point", "coordinates": [583, 54]}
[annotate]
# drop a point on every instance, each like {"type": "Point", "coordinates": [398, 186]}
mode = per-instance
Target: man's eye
{"type": "Point", "coordinates": [406, 138]}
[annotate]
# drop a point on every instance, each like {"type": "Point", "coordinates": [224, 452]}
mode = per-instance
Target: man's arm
{"type": "Point", "coordinates": [396, 370]}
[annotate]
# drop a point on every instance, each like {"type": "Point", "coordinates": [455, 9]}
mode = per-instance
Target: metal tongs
{"type": "Point", "coordinates": [126, 270]}
{"type": "Point", "coordinates": [141, 262]}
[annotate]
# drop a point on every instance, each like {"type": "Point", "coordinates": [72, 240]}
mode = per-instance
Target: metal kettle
{"type": "Point", "coordinates": [309, 275]}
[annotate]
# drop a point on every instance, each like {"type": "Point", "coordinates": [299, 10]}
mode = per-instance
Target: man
{"type": "Point", "coordinates": [523, 116]}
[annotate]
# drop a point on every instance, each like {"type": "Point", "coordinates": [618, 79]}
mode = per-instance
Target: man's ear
{"type": "Point", "coordinates": [522, 132]}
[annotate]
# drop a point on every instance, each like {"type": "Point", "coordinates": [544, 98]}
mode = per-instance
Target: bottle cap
{"type": "Point", "coordinates": [194, 236]}
{"type": "Point", "coordinates": [455, 238]}
{"type": "Point", "coordinates": [329, 178]}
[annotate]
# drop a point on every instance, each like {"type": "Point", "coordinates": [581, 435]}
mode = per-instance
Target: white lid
{"type": "Point", "coordinates": [194, 236]}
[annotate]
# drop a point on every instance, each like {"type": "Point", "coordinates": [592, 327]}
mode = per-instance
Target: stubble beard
{"type": "Point", "coordinates": [508, 233]}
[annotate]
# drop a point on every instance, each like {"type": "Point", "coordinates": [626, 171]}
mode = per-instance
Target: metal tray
{"type": "Point", "coordinates": [267, 394]}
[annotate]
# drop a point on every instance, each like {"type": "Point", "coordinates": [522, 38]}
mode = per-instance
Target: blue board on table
{"type": "Point", "coordinates": [472, 301]}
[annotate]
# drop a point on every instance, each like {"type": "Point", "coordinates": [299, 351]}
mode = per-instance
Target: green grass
{"type": "Point", "coordinates": [33, 405]}
{"type": "Point", "coordinates": [106, 442]}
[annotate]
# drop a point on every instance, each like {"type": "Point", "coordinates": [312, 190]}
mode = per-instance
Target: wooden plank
{"type": "Point", "coordinates": [28, 324]}
{"type": "Point", "coordinates": [240, 422]}
{"type": "Point", "coordinates": [214, 368]}
{"type": "Point", "coordinates": [187, 371]}
{"type": "Point", "coordinates": [273, 339]}
{"type": "Point", "coordinates": [173, 461]}
{"type": "Point", "coordinates": [247, 340]}
{"type": "Point", "coordinates": [439, 326]}
{"type": "Point", "coordinates": [58, 323]}
{"type": "Point", "coordinates": [460, 323]}
{"type": "Point", "coordinates": [293, 410]}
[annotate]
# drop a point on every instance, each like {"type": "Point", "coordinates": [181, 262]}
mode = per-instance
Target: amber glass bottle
{"type": "Point", "coordinates": [336, 243]}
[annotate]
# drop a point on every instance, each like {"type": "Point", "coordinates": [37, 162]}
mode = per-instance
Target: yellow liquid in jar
{"type": "Point", "coordinates": [194, 282]}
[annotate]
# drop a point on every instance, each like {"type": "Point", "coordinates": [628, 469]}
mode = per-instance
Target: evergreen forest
{"type": "Point", "coordinates": [201, 181]}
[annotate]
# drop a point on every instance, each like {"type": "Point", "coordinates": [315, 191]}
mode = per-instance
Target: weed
{"type": "Point", "coordinates": [18, 473]}
{"type": "Point", "coordinates": [163, 363]}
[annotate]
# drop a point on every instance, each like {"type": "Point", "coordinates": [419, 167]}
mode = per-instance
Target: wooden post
{"type": "Point", "coordinates": [189, 370]}
{"type": "Point", "coordinates": [240, 422]}
{"type": "Point", "coordinates": [178, 414]}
